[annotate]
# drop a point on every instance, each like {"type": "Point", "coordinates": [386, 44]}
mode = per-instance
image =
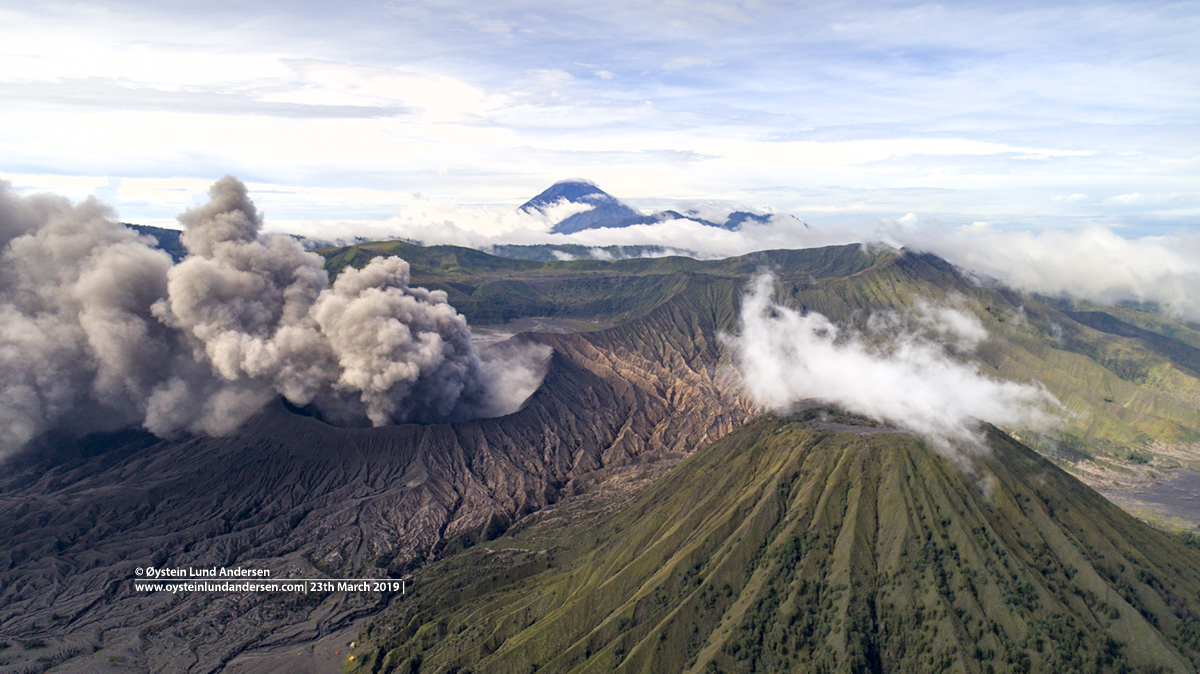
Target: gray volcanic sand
{"type": "Point", "coordinates": [291, 494]}
{"type": "Point", "coordinates": [1175, 499]}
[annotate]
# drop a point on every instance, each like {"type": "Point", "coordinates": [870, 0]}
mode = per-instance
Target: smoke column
{"type": "Point", "coordinates": [98, 330]}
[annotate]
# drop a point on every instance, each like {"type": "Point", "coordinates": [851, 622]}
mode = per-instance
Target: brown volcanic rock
{"type": "Point", "coordinates": [305, 499]}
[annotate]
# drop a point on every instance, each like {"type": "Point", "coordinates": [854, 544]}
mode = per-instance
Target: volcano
{"type": "Point", "coordinates": [639, 511]}
{"type": "Point", "coordinates": [816, 542]}
{"type": "Point", "coordinates": [606, 211]}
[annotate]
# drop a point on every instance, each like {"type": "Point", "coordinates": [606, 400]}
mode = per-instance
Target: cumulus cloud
{"type": "Point", "coordinates": [895, 374]}
{"type": "Point", "coordinates": [99, 330]}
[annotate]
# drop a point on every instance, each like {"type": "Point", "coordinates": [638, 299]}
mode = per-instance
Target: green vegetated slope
{"type": "Point", "coordinates": [489, 289]}
{"type": "Point", "coordinates": [1148, 316]}
{"type": "Point", "coordinates": [1123, 392]}
{"type": "Point", "coordinates": [568, 251]}
{"type": "Point", "coordinates": [814, 543]}
{"type": "Point", "coordinates": [1126, 388]}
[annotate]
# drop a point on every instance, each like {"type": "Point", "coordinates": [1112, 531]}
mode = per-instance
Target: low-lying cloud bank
{"type": "Point", "coordinates": [899, 374]}
{"type": "Point", "coordinates": [1091, 262]}
{"type": "Point", "coordinates": [483, 228]}
{"type": "Point", "coordinates": [98, 329]}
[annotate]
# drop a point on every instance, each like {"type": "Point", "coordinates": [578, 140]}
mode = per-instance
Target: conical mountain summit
{"type": "Point", "coordinates": [609, 212]}
{"type": "Point", "coordinates": [819, 542]}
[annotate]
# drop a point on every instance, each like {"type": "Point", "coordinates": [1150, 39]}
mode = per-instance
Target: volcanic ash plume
{"type": "Point", "coordinates": [78, 344]}
{"type": "Point", "coordinates": [98, 327]}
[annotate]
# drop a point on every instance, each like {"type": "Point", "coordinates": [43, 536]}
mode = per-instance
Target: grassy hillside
{"type": "Point", "coordinates": [489, 289]}
{"type": "Point", "coordinates": [568, 251]}
{"type": "Point", "coordinates": [819, 543]}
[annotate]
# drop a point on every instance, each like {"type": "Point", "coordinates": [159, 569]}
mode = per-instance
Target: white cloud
{"type": "Point", "coordinates": [177, 192]}
{"type": "Point", "coordinates": [712, 211]}
{"type": "Point", "coordinates": [1092, 262]}
{"type": "Point", "coordinates": [954, 325]}
{"type": "Point", "coordinates": [1127, 199]}
{"type": "Point", "coordinates": [785, 357]}
{"type": "Point", "coordinates": [441, 98]}
{"type": "Point", "coordinates": [72, 187]}
{"type": "Point", "coordinates": [485, 227]}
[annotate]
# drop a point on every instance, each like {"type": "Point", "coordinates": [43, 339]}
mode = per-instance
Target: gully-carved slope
{"type": "Point", "coordinates": [816, 543]}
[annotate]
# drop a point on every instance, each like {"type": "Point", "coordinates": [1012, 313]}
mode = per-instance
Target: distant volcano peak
{"type": "Point", "coordinates": [606, 209]}
{"type": "Point", "coordinates": [609, 212]}
{"type": "Point", "coordinates": [575, 190]}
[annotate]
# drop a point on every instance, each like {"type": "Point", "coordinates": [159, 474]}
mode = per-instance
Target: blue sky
{"type": "Point", "coordinates": [346, 117]}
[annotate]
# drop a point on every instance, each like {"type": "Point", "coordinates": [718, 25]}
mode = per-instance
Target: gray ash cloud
{"type": "Point", "coordinates": [99, 330]}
